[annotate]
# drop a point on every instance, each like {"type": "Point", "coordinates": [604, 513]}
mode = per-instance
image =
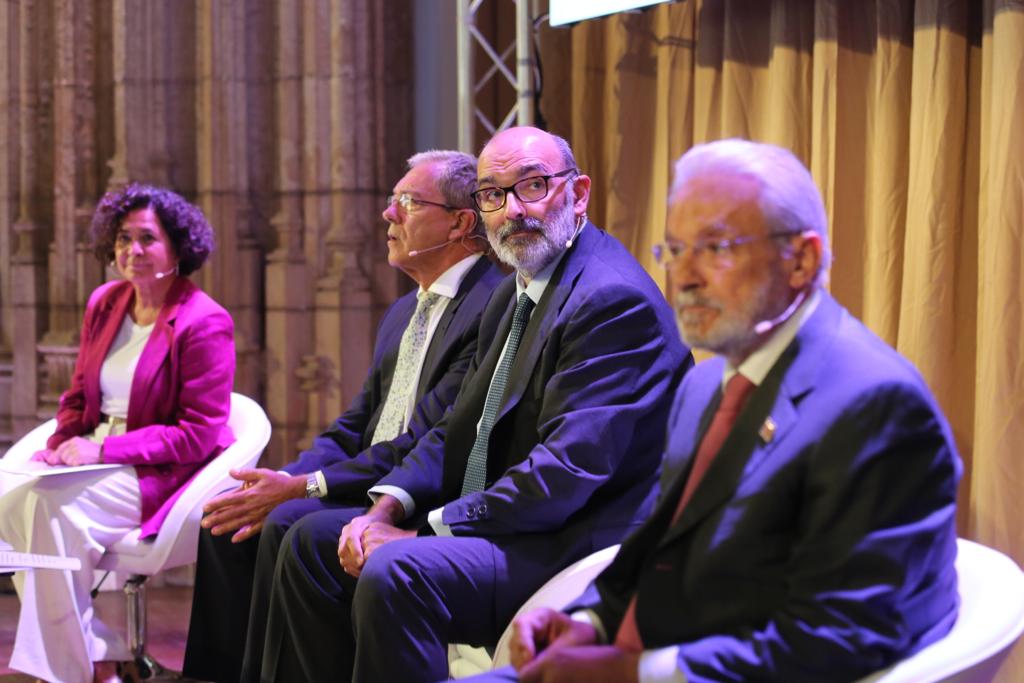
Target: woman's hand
{"type": "Point", "coordinates": [46, 455]}
{"type": "Point", "coordinates": [78, 451]}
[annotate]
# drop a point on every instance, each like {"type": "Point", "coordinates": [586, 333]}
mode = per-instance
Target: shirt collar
{"type": "Point", "coordinates": [539, 282]}
{"type": "Point", "coordinates": [447, 285]}
{"type": "Point", "coordinates": [758, 364]}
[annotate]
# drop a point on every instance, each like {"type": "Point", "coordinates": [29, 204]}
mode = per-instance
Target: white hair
{"type": "Point", "coordinates": [788, 198]}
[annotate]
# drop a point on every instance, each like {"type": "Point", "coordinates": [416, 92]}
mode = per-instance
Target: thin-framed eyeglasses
{"type": "Point", "coordinates": [527, 190]}
{"type": "Point", "coordinates": [409, 203]}
{"type": "Point", "coordinates": [714, 252]}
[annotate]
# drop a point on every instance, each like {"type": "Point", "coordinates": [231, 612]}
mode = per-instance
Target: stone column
{"type": "Point", "coordinates": [289, 328]}
{"type": "Point", "coordinates": [74, 273]}
{"type": "Point", "coordinates": [234, 274]}
{"type": "Point", "coordinates": [30, 230]}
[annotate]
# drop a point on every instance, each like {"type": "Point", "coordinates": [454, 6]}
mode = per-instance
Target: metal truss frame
{"type": "Point", "coordinates": [469, 36]}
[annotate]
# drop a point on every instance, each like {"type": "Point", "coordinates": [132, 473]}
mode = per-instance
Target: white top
{"type": "Point", "coordinates": [118, 367]}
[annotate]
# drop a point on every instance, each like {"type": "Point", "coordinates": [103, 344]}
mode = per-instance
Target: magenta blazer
{"type": "Point", "coordinates": [180, 396]}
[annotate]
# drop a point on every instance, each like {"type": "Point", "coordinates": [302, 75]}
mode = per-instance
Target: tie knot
{"type": "Point", "coordinates": [426, 300]}
{"type": "Point", "coordinates": [523, 307]}
{"type": "Point", "coordinates": [737, 389]}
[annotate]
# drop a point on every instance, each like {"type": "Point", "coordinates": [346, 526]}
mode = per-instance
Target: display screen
{"type": "Point", "coordinates": [563, 12]}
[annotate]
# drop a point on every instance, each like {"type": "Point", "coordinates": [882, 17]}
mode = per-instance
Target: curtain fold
{"type": "Point", "coordinates": [910, 115]}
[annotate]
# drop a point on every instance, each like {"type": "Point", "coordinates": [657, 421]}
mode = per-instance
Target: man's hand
{"type": "Point", "coordinates": [582, 664]}
{"type": "Point", "coordinates": [245, 508]}
{"type": "Point", "coordinates": [545, 628]}
{"type": "Point", "coordinates": [550, 647]}
{"type": "Point", "coordinates": [77, 451]}
{"type": "Point", "coordinates": [382, 517]}
{"type": "Point", "coordinates": [377, 534]}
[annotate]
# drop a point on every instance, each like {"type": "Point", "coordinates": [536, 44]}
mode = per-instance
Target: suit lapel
{"type": "Point", "coordinates": [750, 442]}
{"type": "Point", "coordinates": [469, 404]}
{"type": "Point", "coordinates": [155, 352]}
{"type": "Point", "coordinates": [544, 317]}
{"type": "Point", "coordinates": [439, 342]}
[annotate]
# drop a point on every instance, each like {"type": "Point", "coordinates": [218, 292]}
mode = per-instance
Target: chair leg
{"type": "Point", "coordinates": [135, 612]}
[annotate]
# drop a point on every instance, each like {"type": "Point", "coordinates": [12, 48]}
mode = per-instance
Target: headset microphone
{"type": "Point", "coordinates": [580, 222]}
{"type": "Point", "coordinates": [768, 325]}
{"type": "Point", "coordinates": [417, 252]}
{"type": "Point", "coordinates": [166, 273]}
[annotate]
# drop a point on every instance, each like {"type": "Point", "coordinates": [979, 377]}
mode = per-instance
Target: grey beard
{"type": "Point", "coordinates": [531, 258]}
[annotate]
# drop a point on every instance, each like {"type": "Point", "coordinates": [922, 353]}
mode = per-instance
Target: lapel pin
{"type": "Point", "coordinates": [767, 430]}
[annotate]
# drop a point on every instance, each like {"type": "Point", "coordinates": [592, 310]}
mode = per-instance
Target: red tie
{"type": "Point", "coordinates": [737, 390]}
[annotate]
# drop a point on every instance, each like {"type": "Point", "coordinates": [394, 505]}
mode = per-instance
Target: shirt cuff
{"type": "Point", "coordinates": [589, 616]}
{"type": "Point", "coordinates": [660, 666]}
{"type": "Point", "coordinates": [408, 504]}
{"type": "Point", "coordinates": [439, 527]}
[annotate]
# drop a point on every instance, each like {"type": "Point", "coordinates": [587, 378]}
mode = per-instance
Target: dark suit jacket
{"type": "Point", "coordinates": [575, 449]}
{"type": "Point", "coordinates": [821, 552]}
{"type": "Point", "coordinates": [448, 356]}
{"type": "Point", "coordinates": [180, 396]}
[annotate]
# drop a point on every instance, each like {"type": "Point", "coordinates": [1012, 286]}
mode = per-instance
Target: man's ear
{"type": "Point", "coordinates": [465, 222]}
{"type": "Point", "coordinates": [581, 194]}
{"type": "Point", "coordinates": [806, 258]}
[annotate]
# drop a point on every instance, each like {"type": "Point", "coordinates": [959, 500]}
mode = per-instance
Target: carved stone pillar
{"type": "Point", "coordinates": [287, 289]}
{"type": "Point", "coordinates": [348, 295]}
{"type": "Point", "coordinates": [234, 275]}
{"type": "Point", "coordinates": [73, 276]}
{"type": "Point", "coordinates": [153, 118]}
{"type": "Point", "coordinates": [30, 230]}
{"type": "Point", "coordinates": [8, 208]}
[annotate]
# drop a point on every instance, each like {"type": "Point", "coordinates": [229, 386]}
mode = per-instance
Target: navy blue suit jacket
{"type": "Point", "coordinates": [575, 450]}
{"type": "Point", "coordinates": [820, 551]}
{"type": "Point", "coordinates": [452, 348]}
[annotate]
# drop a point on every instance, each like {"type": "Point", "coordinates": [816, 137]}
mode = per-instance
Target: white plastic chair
{"type": "Point", "coordinates": [559, 591]}
{"type": "Point", "coordinates": [176, 543]}
{"type": "Point", "coordinates": [990, 621]}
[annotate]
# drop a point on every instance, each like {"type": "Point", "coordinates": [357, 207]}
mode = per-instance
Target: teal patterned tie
{"type": "Point", "coordinates": [476, 466]}
{"type": "Point", "coordinates": [404, 381]}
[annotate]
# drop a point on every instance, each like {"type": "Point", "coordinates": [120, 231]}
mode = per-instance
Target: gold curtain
{"type": "Point", "coordinates": [910, 115]}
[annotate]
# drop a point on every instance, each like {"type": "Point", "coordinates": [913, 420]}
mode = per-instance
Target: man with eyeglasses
{"type": "Point", "coordinates": [550, 452]}
{"type": "Point", "coordinates": [805, 529]}
{"type": "Point", "coordinates": [425, 343]}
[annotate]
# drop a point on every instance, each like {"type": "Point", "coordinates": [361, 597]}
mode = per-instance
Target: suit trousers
{"type": "Point", "coordinates": [220, 607]}
{"type": "Point", "coordinates": [266, 613]}
{"type": "Point", "coordinates": [72, 515]}
{"type": "Point", "coordinates": [226, 574]}
{"type": "Point", "coordinates": [414, 596]}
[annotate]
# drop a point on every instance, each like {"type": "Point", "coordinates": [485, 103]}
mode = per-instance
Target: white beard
{"type": "Point", "coordinates": [529, 258]}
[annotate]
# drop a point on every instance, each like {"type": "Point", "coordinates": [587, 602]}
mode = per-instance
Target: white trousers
{"type": "Point", "coordinates": [72, 515]}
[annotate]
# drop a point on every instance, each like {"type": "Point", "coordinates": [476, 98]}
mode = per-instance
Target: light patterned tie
{"type": "Point", "coordinates": [737, 390]}
{"type": "Point", "coordinates": [476, 466]}
{"type": "Point", "coordinates": [404, 380]}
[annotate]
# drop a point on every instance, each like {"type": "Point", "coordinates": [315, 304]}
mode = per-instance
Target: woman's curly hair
{"type": "Point", "coordinates": [184, 223]}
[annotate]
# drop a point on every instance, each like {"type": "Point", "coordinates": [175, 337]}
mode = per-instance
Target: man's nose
{"type": "Point", "coordinates": [684, 272]}
{"type": "Point", "coordinates": [514, 206]}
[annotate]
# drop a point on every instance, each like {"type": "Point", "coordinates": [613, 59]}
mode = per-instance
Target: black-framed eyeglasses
{"type": "Point", "coordinates": [713, 252]}
{"type": "Point", "coordinates": [409, 203]}
{"type": "Point", "coordinates": [526, 190]}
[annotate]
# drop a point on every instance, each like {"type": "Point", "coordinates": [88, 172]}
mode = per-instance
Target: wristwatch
{"type": "Point", "coordinates": [313, 486]}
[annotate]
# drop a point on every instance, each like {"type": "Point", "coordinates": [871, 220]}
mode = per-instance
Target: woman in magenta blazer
{"type": "Point", "coordinates": [151, 389]}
